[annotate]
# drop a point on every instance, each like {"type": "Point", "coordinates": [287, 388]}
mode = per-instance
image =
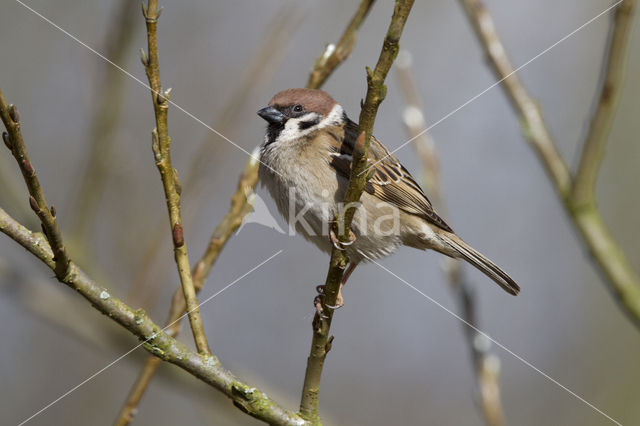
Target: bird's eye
{"type": "Point", "coordinates": [298, 108]}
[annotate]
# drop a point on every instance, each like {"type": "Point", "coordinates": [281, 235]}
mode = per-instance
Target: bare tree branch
{"type": "Point", "coordinates": [240, 207]}
{"type": "Point", "coordinates": [258, 72]}
{"type": "Point", "coordinates": [13, 140]}
{"type": "Point", "coordinates": [536, 129]}
{"type": "Point", "coordinates": [49, 249]}
{"type": "Point", "coordinates": [486, 365]}
{"type": "Point", "coordinates": [584, 183]}
{"type": "Point", "coordinates": [376, 91]}
{"type": "Point", "coordinates": [161, 149]}
{"type": "Point", "coordinates": [335, 54]}
{"type": "Point", "coordinates": [576, 194]}
{"type": "Point", "coordinates": [205, 367]}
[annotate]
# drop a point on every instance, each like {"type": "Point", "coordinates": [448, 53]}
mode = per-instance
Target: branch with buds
{"type": "Point", "coordinates": [376, 91]}
{"type": "Point", "coordinates": [258, 71]}
{"type": "Point", "coordinates": [48, 247]}
{"type": "Point", "coordinates": [161, 144]}
{"type": "Point", "coordinates": [158, 342]}
{"type": "Point", "coordinates": [577, 192]}
{"type": "Point", "coordinates": [13, 140]}
{"type": "Point", "coordinates": [240, 206]}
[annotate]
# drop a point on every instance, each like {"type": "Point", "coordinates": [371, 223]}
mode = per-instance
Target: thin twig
{"type": "Point", "coordinates": [50, 250]}
{"type": "Point", "coordinates": [335, 54]}
{"type": "Point", "coordinates": [537, 131]}
{"type": "Point", "coordinates": [486, 365]}
{"type": "Point", "coordinates": [241, 205]}
{"type": "Point", "coordinates": [376, 91]}
{"type": "Point", "coordinates": [161, 144]}
{"type": "Point", "coordinates": [204, 367]}
{"type": "Point", "coordinates": [130, 407]}
{"type": "Point", "coordinates": [47, 215]}
{"type": "Point", "coordinates": [583, 192]}
{"type": "Point", "coordinates": [579, 203]}
{"type": "Point", "coordinates": [258, 72]}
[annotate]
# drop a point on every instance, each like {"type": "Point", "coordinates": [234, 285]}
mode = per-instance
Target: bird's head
{"type": "Point", "coordinates": [295, 113]}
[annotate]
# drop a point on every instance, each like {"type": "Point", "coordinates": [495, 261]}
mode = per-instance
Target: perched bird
{"type": "Point", "coordinates": [305, 164]}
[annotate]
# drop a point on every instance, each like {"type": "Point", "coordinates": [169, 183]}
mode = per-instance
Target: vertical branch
{"type": "Point", "coordinates": [535, 126]}
{"type": "Point", "coordinates": [13, 140]}
{"type": "Point", "coordinates": [376, 91]}
{"type": "Point", "coordinates": [486, 365]}
{"type": "Point", "coordinates": [258, 71]}
{"type": "Point", "coordinates": [206, 368]}
{"type": "Point", "coordinates": [583, 193]}
{"type": "Point", "coordinates": [241, 205]}
{"type": "Point", "coordinates": [161, 144]}
{"type": "Point", "coordinates": [579, 203]}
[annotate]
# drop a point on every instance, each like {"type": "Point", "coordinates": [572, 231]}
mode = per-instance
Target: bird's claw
{"type": "Point", "coordinates": [319, 299]}
{"type": "Point", "coordinates": [317, 303]}
{"type": "Point", "coordinates": [339, 244]}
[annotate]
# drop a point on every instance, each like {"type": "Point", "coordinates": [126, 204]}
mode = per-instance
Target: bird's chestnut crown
{"type": "Point", "coordinates": [295, 113]}
{"type": "Point", "coordinates": [293, 103]}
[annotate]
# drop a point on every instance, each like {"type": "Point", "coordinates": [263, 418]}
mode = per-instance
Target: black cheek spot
{"type": "Point", "coordinates": [304, 125]}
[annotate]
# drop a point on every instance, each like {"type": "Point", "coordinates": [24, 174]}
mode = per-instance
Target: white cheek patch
{"type": "Point", "coordinates": [335, 117]}
{"type": "Point", "coordinates": [292, 130]}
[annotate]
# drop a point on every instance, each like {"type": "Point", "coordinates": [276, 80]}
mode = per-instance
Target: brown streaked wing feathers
{"type": "Point", "coordinates": [390, 181]}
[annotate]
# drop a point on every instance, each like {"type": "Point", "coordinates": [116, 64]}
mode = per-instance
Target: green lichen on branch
{"type": "Point", "coordinates": [204, 367]}
{"type": "Point", "coordinates": [376, 91]}
{"type": "Point", "coordinates": [241, 205]}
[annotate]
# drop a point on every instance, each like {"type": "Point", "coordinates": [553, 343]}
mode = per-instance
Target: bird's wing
{"type": "Point", "coordinates": [390, 181]}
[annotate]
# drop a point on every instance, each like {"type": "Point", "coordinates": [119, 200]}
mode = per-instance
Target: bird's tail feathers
{"type": "Point", "coordinates": [483, 264]}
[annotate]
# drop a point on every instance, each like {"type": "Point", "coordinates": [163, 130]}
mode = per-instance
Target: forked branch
{"type": "Point", "coordinates": [158, 342]}
{"type": "Point", "coordinates": [241, 205]}
{"type": "Point", "coordinates": [13, 140]}
{"type": "Point", "coordinates": [577, 194]}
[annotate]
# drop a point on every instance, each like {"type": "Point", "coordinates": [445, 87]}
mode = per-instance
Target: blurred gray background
{"type": "Point", "coordinates": [397, 358]}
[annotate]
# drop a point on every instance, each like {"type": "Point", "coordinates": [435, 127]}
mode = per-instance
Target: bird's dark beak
{"type": "Point", "coordinates": [271, 115]}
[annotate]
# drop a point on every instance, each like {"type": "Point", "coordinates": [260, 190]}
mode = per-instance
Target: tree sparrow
{"type": "Point", "coordinates": [305, 165]}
